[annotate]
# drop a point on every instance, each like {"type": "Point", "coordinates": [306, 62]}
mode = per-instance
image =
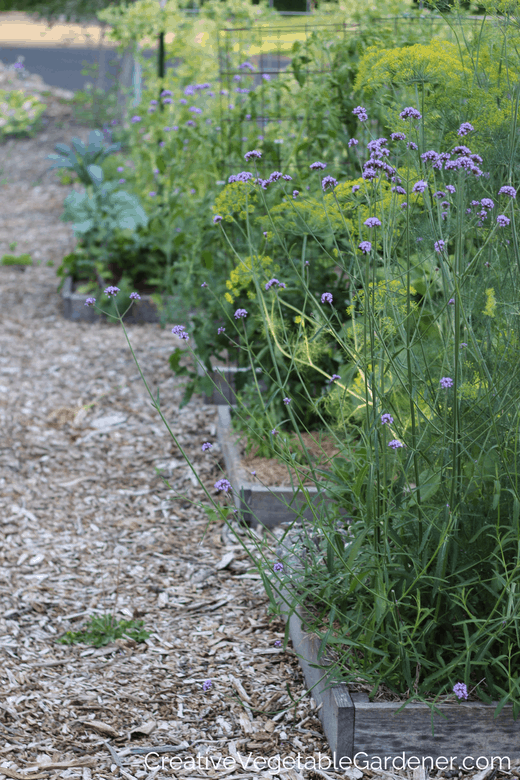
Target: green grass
{"type": "Point", "coordinates": [100, 630]}
{"type": "Point", "coordinates": [16, 260]}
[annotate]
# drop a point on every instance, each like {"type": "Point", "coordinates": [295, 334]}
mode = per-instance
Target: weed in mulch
{"type": "Point", "coordinates": [100, 630]}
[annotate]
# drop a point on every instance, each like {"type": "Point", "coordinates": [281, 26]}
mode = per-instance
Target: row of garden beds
{"type": "Point", "coordinates": [361, 733]}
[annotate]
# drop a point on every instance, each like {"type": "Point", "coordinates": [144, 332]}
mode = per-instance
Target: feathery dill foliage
{"type": "Point", "coordinates": [418, 588]}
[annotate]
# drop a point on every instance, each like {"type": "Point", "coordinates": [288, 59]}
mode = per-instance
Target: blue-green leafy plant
{"type": "Point", "coordinates": [84, 160]}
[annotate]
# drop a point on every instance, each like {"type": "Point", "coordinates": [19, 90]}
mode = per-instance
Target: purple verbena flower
{"type": "Point", "coordinates": [502, 220]}
{"type": "Point", "coordinates": [220, 331]}
{"type": "Point", "coordinates": [111, 291]}
{"type": "Point", "coordinates": [90, 301]}
{"type": "Point", "coordinates": [410, 113]}
{"type": "Point", "coordinates": [223, 484]}
{"type": "Point", "coordinates": [326, 297]}
{"type": "Point", "coordinates": [328, 181]}
{"type": "Point", "coordinates": [398, 189]}
{"type": "Point", "coordinates": [134, 296]}
{"type": "Point", "coordinates": [217, 218]}
{"type": "Point", "coordinates": [487, 203]}
{"type": "Point", "coordinates": [253, 154]}
{"type": "Point", "coordinates": [446, 382]}
{"type": "Point", "coordinates": [353, 142]}
{"type": "Point", "coordinates": [372, 222]}
{"type": "Point", "coordinates": [180, 332]}
{"type": "Point", "coordinates": [206, 446]}
{"type": "Point", "coordinates": [166, 92]}
{"type": "Point", "coordinates": [460, 690]}
{"type": "Point", "coordinates": [266, 77]}
{"type": "Point", "coordinates": [412, 145]}
{"type": "Point", "coordinates": [240, 314]}
{"type": "Point", "coordinates": [451, 189]}
{"type": "Point", "coordinates": [507, 190]}
{"type": "Point", "coordinates": [317, 166]}
{"type": "Point", "coordinates": [365, 247]}
{"type": "Point", "coordinates": [386, 419]}
{"type": "Point", "coordinates": [361, 113]}
{"type": "Point", "coordinates": [295, 193]}
{"type": "Point", "coordinates": [451, 301]}
{"type": "Point", "coordinates": [278, 643]}
{"type": "Point", "coordinates": [275, 176]}
{"type": "Point", "coordinates": [274, 432]}
{"type": "Point", "coordinates": [465, 128]}
{"type": "Point", "coordinates": [206, 685]}
{"type": "Point", "coordinates": [287, 401]}
{"type": "Point", "coordinates": [398, 137]}
{"type": "Point", "coordinates": [136, 119]}
{"type": "Point", "coordinates": [439, 245]}
{"type": "Point", "coordinates": [334, 377]}
{"type": "Point", "coordinates": [395, 444]}
{"type": "Point", "coordinates": [278, 566]}
{"type": "Point", "coordinates": [120, 169]}
{"type": "Point", "coordinates": [152, 194]}
{"type": "Point", "coordinates": [204, 284]}
{"type": "Point", "coordinates": [121, 181]}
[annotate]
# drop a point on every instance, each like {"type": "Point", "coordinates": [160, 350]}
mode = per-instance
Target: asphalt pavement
{"type": "Point", "coordinates": [62, 66]}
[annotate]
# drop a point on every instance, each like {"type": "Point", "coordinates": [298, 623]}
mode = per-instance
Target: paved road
{"type": "Point", "coordinates": [61, 67]}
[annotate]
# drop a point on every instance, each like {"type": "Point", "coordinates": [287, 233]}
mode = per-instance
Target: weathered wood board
{"type": "Point", "coordinates": [372, 733]}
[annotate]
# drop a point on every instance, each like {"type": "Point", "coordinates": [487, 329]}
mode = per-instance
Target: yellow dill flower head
{"type": "Point", "coordinates": [228, 297]}
{"type": "Point", "coordinates": [235, 200]}
{"type": "Point", "coordinates": [491, 303]}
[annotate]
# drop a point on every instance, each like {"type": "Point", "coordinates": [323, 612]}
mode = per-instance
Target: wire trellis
{"type": "Point", "coordinates": [248, 57]}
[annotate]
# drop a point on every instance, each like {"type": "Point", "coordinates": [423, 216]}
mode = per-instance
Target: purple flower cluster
{"type": "Point", "coordinates": [487, 203]}
{"type": "Point", "coordinates": [502, 220]}
{"type": "Point", "coordinates": [206, 685]}
{"type": "Point", "coordinates": [206, 446]}
{"type": "Point", "coordinates": [278, 566]}
{"type": "Point", "coordinates": [180, 332]}
{"type": "Point", "coordinates": [386, 419]}
{"type": "Point", "coordinates": [334, 377]}
{"type": "Point", "coordinates": [465, 128]}
{"type": "Point", "coordinates": [254, 154]}
{"type": "Point", "coordinates": [326, 297]}
{"type": "Point", "coordinates": [134, 296]}
{"type": "Point", "coordinates": [395, 444]}
{"type": "Point", "coordinates": [110, 292]}
{"type": "Point", "coordinates": [460, 690]}
{"type": "Point", "coordinates": [353, 142]}
{"type": "Point", "coordinates": [439, 245]}
{"type": "Point", "coordinates": [223, 484]}
{"type": "Point", "coordinates": [317, 166]}
{"type": "Point", "coordinates": [328, 182]}
{"type": "Point", "coordinates": [243, 176]}
{"type": "Point", "coordinates": [90, 301]}
{"type": "Point", "coordinates": [361, 113]}
{"type": "Point", "coordinates": [220, 331]}
{"type": "Point", "coordinates": [398, 137]}
{"type": "Point", "coordinates": [240, 314]}
{"type": "Point", "coordinates": [365, 247]}
{"type": "Point", "coordinates": [410, 113]}
{"type": "Point", "coordinates": [273, 282]}
{"type": "Point", "coordinates": [287, 401]}
{"type": "Point", "coordinates": [507, 190]}
{"type": "Point", "coordinates": [216, 219]}
{"type": "Point", "coordinates": [420, 186]}
{"type": "Point", "coordinates": [376, 162]}
{"type": "Point", "coordinates": [446, 382]}
{"type": "Point", "coordinates": [372, 222]}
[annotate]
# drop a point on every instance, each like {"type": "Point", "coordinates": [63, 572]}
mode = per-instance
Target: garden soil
{"type": "Point", "coordinates": [89, 526]}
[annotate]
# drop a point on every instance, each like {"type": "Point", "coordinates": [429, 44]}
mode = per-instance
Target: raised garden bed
{"type": "Point", "coordinates": [362, 733]}
{"type": "Point", "coordinates": [74, 307]}
{"type": "Point", "coordinates": [223, 377]}
{"type": "Point", "coordinates": [259, 504]}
